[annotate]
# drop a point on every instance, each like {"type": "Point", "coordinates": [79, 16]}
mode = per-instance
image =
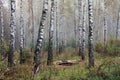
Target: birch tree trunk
{"type": "Point", "coordinates": [32, 46]}
{"type": "Point", "coordinates": [105, 27]}
{"type": "Point", "coordinates": [12, 34]}
{"type": "Point", "coordinates": [21, 33]}
{"type": "Point", "coordinates": [57, 25]}
{"type": "Point", "coordinates": [75, 26]}
{"type": "Point", "coordinates": [90, 36]}
{"type": "Point", "coordinates": [50, 47]}
{"type": "Point", "coordinates": [83, 34]}
{"type": "Point", "coordinates": [61, 24]}
{"type": "Point", "coordinates": [80, 26]}
{"type": "Point", "coordinates": [118, 24]}
{"type": "Point", "coordinates": [38, 49]}
{"type": "Point", "coordinates": [2, 29]}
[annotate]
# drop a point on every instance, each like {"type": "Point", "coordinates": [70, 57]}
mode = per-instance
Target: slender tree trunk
{"type": "Point", "coordinates": [50, 48]}
{"type": "Point", "coordinates": [90, 36]}
{"type": "Point", "coordinates": [83, 34]}
{"type": "Point", "coordinates": [12, 35]}
{"type": "Point", "coordinates": [38, 49]}
{"type": "Point", "coordinates": [21, 33]}
{"type": "Point", "coordinates": [75, 26]}
{"type": "Point", "coordinates": [61, 24]}
{"type": "Point", "coordinates": [105, 27]}
{"type": "Point", "coordinates": [32, 46]}
{"type": "Point", "coordinates": [57, 24]}
{"type": "Point", "coordinates": [2, 29]}
{"type": "Point", "coordinates": [118, 24]}
{"type": "Point", "coordinates": [80, 26]}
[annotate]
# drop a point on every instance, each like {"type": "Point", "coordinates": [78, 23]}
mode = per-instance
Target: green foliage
{"type": "Point", "coordinates": [99, 47]}
{"type": "Point", "coordinates": [107, 70]}
{"type": "Point", "coordinates": [5, 47]}
{"type": "Point", "coordinates": [27, 55]}
{"type": "Point", "coordinates": [113, 47]}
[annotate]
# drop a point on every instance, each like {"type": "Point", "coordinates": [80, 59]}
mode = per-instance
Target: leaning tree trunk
{"type": "Point", "coordinates": [83, 34]}
{"type": "Point", "coordinates": [38, 49]}
{"type": "Point", "coordinates": [80, 26]}
{"type": "Point", "coordinates": [90, 36]}
{"type": "Point", "coordinates": [12, 35]}
{"type": "Point", "coordinates": [50, 46]}
{"type": "Point", "coordinates": [2, 29]}
{"type": "Point", "coordinates": [21, 33]}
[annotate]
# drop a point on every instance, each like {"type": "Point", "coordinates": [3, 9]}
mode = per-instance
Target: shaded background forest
{"type": "Point", "coordinates": [66, 27]}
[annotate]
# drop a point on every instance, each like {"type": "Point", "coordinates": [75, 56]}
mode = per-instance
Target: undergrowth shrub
{"type": "Point", "coordinates": [112, 48]}
{"type": "Point", "coordinates": [108, 70]}
{"type": "Point", "coordinates": [99, 47]}
{"type": "Point", "coordinates": [28, 55]}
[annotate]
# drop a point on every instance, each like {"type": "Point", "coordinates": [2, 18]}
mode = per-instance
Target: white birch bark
{"type": "Point", "coordinates": [12, 34]}
{"type": "Point", "coordinates": [2, 29]}
{"type": "Point", "coordinates": [21, 32]}
{"type": "Point", "coordinates": [80, 26]}
{"type": "Point", "coordinates": [75, 26]}
{"type": "Point", "coordinates": [38, 49]}
{"type": "Point", "coordinates": [50, 47]}
{"type": "Point", "coordinates": [90, 36]}
{"type": "Point", "coordinates": [105, 27]}
{"type": "Point", "coordinates": [32, 9]}
{"type": "Point", "coordinates": [118, 24]}
{"type": "Point", "coordinates": [57, 25]}
{"type": "Point", "coordinates": [83, 33]}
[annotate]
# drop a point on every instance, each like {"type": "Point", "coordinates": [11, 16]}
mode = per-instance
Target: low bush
{"type": "Point", "coordinates": [112, 48]}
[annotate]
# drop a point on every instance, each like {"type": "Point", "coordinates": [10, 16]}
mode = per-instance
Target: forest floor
{"type": "Point", "coordinates": [106, 68]}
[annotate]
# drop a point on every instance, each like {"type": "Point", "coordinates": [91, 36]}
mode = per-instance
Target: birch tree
{"type": "Point", "coordinates": [61, 24]}
{"type": "Point", "coordinates": [38, 49]}
{"type": "Point", "coordinates": [50, 47]}
{"type": "Point", "coordinates": [12, 34]}
{"type": "Point", "coordinates": [57, 25]}
{"type": "Point", "coordinates": [83, 34]}
{"type": "Point", "coordinates": [90, 36]}
{"type": "Point", "coordinates": [75, 26]}
{"type": "Point", "coordinates": [2, 29]}
{"type": "Point", "coordinates": [32, 46]}
{"type": "Point", "coordinates": [105, 27]}
{"type": "Point", "coordinates": [21, 32]}
{"type": "Point", "coordinates": [118, 24]}
{"type": "Point", "coordinates": [80, 26]}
